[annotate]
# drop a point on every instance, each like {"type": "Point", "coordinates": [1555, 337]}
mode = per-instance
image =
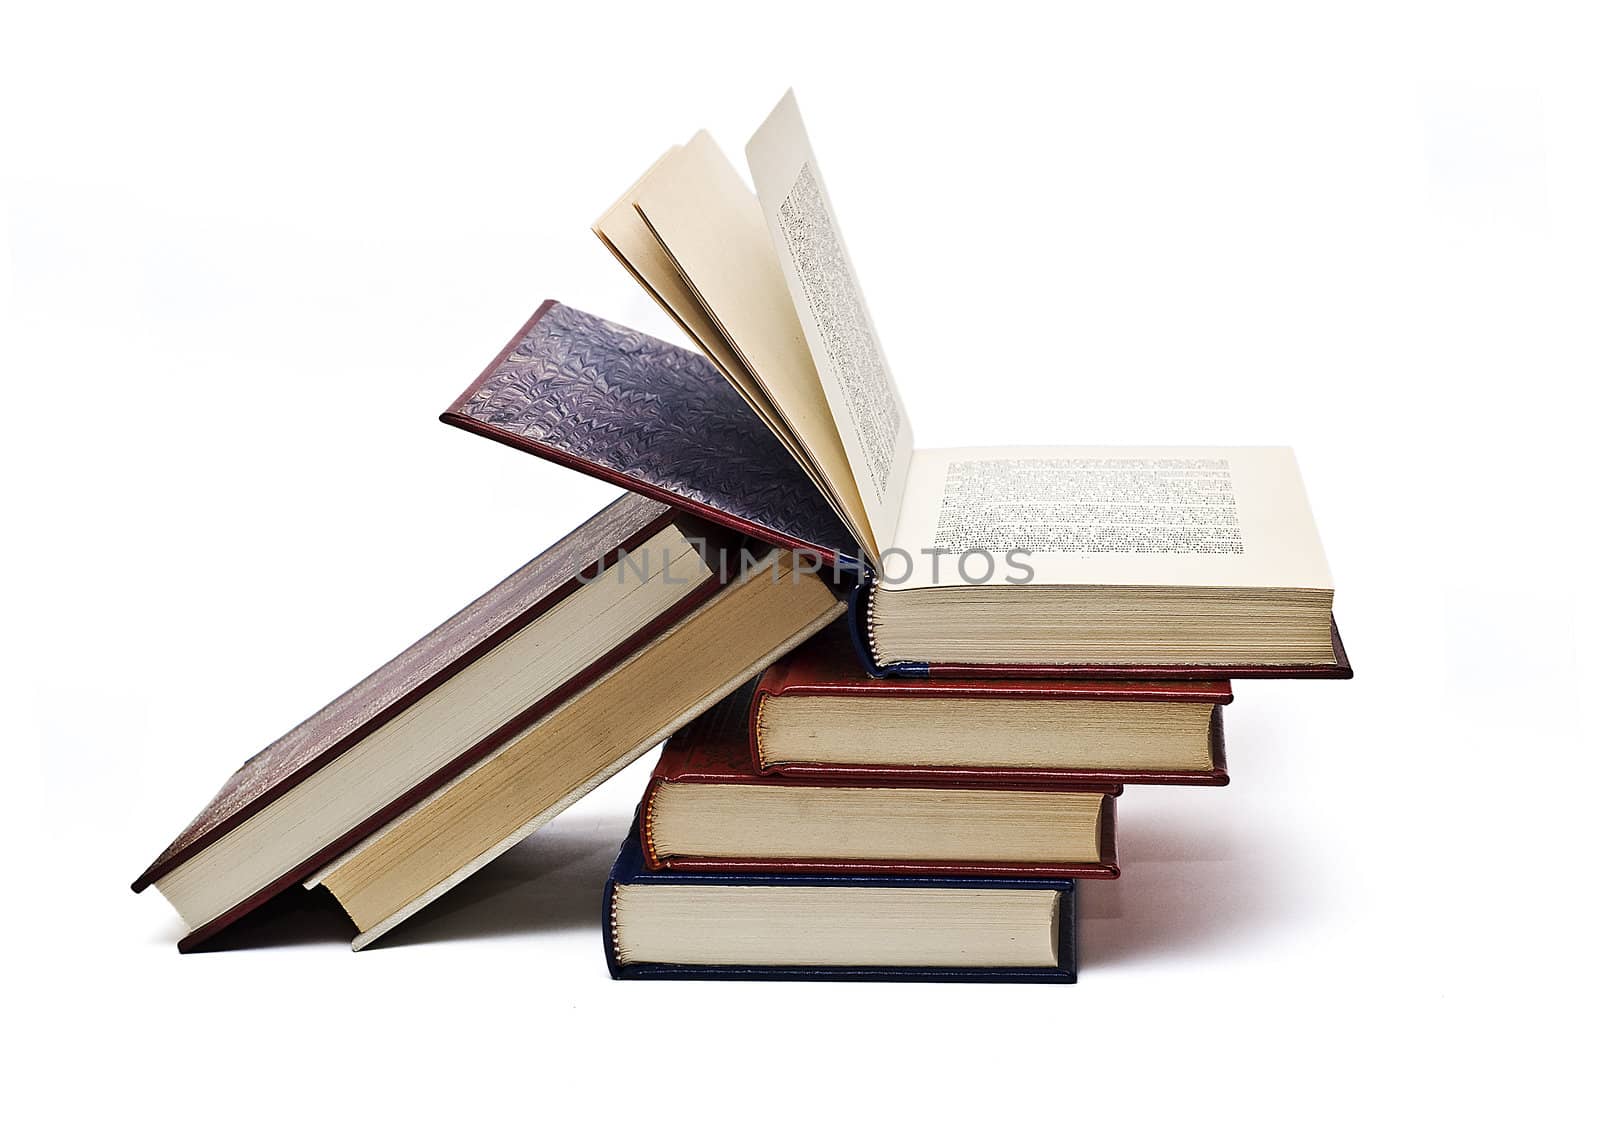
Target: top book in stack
{"type": "Point", "coordinates": [1138, 562]}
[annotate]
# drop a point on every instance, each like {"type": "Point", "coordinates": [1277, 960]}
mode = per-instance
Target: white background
{"type": "Point", "coordinates": [253, 255]}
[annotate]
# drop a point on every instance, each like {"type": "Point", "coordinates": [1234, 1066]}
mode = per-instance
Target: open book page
{"type": "Point", "coordinates": [710, 226]}
{"type": "Point", "coordinates": [860, 391]}
{"type": "Point", "coordinates": [1200, 517]}
{"type": "Point", "coordinates": [629, 238]}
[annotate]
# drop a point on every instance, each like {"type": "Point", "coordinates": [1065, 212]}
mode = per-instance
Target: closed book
{"type": "Point", "coordinates": [818, 714]}
{"type": "Point", "coordinates": [536, 639]}
{"type": "Point", "coordinates": [761, 613]}
{"type": "Point", "coordinates": [706, 808]}
{"type": "Point", "coordinates": [671, 924]}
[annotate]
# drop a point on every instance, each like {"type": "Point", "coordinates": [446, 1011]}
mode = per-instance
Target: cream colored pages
{"type": "Point", "coordinates": [710, 226]}
{"type": "Point", "coordinates": [822, 285]}
{"type": "Point", "coordinates": [1206, 517]}
{"type": "Point", "coordinates": [628, 237]}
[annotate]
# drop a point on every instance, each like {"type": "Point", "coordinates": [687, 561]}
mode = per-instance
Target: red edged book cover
{"type": "Point", "coordinates": [639, 413]}
{"type": "Point", "coordinates": [478, 628]}
{"type": "Point", "coordinates": [714, 750]}
{"type": "Point", "coordinates": [827, 667]}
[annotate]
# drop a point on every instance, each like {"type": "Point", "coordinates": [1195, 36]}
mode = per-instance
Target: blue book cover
{"type": "Point", "coordinates": [630, 870]}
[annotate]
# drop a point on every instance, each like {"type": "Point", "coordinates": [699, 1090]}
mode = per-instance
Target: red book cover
{"type": "Point", "coordinates": [714, 749]}
{"type": "Point", "coordinates": [827, 667]}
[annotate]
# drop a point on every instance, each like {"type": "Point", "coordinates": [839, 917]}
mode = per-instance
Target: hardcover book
{"type": "Point", "coordinates": [616, 404]}
{"type": "Point", "coordinates": [759, 614]}
{"type": "Point", "coordinates": [481, 678]}
{"type": "Point", "coordinates": [706, 808]}
{"type": "Point", "coordinates": [657, 419]}
{"type": "Point", "coordinates": [1192, 558]}
{"type": "Point", "coordinates": [818, 715]}
{"type": "Point", "coordinates": [668, 924]}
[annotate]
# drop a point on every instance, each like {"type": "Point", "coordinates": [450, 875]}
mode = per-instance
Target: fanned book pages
{"type": "Point", "coordinates": [673, 924]}
{"type": "Point", "coordinates": [1140, 562]}
{"type": "Point", "coordinates": [574, 614]}
{"type": "Point", "coordinates": [707, 808]}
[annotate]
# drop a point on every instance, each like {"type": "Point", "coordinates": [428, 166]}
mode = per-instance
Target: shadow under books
{"type": "Point", "coordinates": [1183, 890]}
{"type": "Point", "coordinates": [552, 881]}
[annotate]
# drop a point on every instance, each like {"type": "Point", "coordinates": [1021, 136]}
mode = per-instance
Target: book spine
{"type": "Point", "coordinates": [860, 625]}
{"type": "Point", "coordinates": [647, 825]}
{"type": "Point", "coordinates": [608, 928]}
{"type": "Point", "coordinates": [757, 720]}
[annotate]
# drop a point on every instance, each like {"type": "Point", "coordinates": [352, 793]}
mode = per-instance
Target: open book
{"type": "Point", "coordinates": [1022, 557]}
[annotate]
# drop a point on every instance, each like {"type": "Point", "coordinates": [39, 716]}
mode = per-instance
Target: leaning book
{"type": "Point", "coordinates": [764, 609]}
{"type": "Point", "coordinates": [522, 650]}
{"type": "Point", "coordinates": [641, 413]}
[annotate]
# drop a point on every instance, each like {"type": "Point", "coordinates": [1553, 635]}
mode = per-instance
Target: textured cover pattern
{"type": "Point", "coordinates": [465, 635]}
{"type": "Point", "coordinates": [630, 869]}
{"type": "Point", "coordinates": [715, 749]}
{"type": "Point", "coordinates": [643, 414]}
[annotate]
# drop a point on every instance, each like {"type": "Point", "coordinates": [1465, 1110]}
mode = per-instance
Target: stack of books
{"type": "Point", "coordinates": [901, 688]}
{"type": "Point", "coordinates": [825, 822]}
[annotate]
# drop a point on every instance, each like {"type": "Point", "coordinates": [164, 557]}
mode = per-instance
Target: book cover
{"type": "Point", "coordinates": [714, 749]}
{"type": "Point", "coordinates": [527, 594]}
{"type": "Point", "coordinates": [829, 666]}
{"type": "Point", "coordinates": [630, 869]}
{"type": "Point", "coordinates": [744, 625]}
{"type": "Point", "coordinates": [660, 420]}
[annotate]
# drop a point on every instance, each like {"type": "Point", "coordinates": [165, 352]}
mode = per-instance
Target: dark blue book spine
{"type": "Point", "coordinates": [858, 605]}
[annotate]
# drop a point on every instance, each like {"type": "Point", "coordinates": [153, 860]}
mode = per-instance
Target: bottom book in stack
{"type": "Point", "coordinates": [668, 924]}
